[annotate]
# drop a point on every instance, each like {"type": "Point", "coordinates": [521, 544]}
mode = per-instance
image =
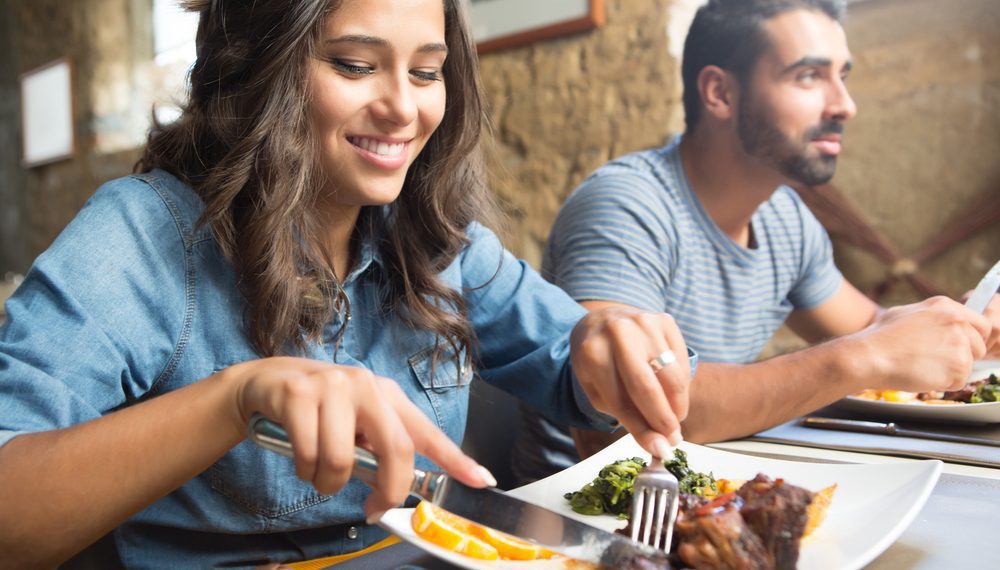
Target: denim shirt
{"type": "Point", "coordinates": [134, 300]}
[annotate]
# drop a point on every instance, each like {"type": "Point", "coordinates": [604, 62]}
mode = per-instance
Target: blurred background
{"type": "Point", "coordinates": [923, 152]}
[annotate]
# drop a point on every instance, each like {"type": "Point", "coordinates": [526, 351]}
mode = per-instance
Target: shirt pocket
{"type": "Point", "coordinates": [259, 481]}
{"type": "Point", "coordinates": [445, 387]}
{"type": "Point", "coordinates": [262, 482]}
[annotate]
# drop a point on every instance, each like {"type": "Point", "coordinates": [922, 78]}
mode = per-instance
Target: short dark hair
{"type": "Point", "coordinates": [729, 34]}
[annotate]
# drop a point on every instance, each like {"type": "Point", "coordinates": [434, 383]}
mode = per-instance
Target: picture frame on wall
{"type": "Point", "coordinates": [502, 24]}
{"type": "Point", "coordinates": [47, 114]}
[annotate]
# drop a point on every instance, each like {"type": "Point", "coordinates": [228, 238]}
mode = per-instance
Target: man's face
{"type": "Point", "coordinates": [792, 110]}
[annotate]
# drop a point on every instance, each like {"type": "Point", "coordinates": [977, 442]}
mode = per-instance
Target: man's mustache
{"type": "Point", "coordinates": [825, 128]}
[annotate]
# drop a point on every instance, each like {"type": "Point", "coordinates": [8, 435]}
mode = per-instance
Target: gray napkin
{"type": "Point", "coordinates": [971, 454]}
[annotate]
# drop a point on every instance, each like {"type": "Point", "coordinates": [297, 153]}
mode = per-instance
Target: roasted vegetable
{"type": "Point", "coordinates": [989, 391]}
{"type": "Point", "coordinates": [610, 492]}
{"type": "Point", "coordinates": [688, 480]}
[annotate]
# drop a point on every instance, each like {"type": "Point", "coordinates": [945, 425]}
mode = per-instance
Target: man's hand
{"type": "Point", "coordinates": [923, 347]}
{"type": "Point", "coordinates": [992, 314]}
{"type": "Point", "coordinates": [612, 349]}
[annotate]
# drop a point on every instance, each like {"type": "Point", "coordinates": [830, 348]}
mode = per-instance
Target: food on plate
{"type": "Point", "coordinates": [759, 526]}
{"type": "Point", "coordinates": [457, 534]}
{"type": "Point", "coordinates": [721, 523]}
{"type": "Point", "coordinates": [611, 491]}
{"type": "Point", "coordinates": [977, 392]}
{"type": "Point", "coordinates": [817, 509]}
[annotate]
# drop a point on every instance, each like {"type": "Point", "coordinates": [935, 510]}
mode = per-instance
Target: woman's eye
{"type": "Point", "coordinates": [427, 74]}
{"type": "Point", "coordinates": [351, 68]}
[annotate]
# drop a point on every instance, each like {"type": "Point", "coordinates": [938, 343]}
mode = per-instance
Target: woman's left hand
{"type": "Point", "coordinates": [615, 351]}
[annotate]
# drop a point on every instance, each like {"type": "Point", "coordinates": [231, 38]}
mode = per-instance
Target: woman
{"type": "Point", "coordinates": [301, 243]}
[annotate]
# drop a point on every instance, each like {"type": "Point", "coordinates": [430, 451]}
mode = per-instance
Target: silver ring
{"type": "Point", "coordinates": [666, 358]}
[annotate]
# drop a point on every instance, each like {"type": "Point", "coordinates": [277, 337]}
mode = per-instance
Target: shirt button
{"type": "Point", "coordinates": [352, 532]}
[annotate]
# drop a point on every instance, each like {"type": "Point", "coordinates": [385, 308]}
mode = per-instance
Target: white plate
{"type": "Point", "coordinates": [986, 413]}
{"type": "Point", "coordinates": [873, 504]}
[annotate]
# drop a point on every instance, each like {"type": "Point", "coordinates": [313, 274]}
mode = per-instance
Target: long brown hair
{"type": "Point", "coordinates": [244, 143]}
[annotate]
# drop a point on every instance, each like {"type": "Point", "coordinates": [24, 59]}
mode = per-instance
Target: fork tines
{"type": "Point", "coordinates": [654, 506]}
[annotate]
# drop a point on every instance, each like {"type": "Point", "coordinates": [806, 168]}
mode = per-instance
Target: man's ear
{"type": "Point", "coordinates": [717, 88]}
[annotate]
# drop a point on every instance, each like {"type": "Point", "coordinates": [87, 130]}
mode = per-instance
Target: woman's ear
{"type": "Point", "coordinates": [717, 88]}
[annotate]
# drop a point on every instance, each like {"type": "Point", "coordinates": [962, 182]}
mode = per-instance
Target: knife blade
{"type": "Point", "coordinates": [890, 428]}
{"type": "Point", "coordinates": [488, 507]}
{"type": "Point", "coordinates": [985, 290]}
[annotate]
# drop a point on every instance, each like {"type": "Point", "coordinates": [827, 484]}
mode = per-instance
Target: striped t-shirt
{"type": "Point", "coordinates": [635, 233]}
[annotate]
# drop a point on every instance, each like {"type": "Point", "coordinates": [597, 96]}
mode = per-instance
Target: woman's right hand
{"type": "Point", "coordinates": [327, 409]}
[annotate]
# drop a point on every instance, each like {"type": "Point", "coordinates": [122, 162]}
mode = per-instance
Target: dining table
{"type": "Point", "coordinates": [955, 528]}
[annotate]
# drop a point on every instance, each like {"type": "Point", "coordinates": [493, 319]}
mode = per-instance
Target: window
{"type": "Point", "coordinates": [174, 32]}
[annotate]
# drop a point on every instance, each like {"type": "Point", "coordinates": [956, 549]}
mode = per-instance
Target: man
{"type": "Point", "coordinates": [707, 230]}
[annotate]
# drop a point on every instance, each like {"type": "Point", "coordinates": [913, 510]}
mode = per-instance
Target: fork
{"type": "Point", "coordinates": [654, 505]}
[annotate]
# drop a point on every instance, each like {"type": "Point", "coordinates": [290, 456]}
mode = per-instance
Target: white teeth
{"type": "Point", "coordinates": [379, 148]}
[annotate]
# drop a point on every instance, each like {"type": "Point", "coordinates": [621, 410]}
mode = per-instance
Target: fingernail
{"type": "Point", "coordinates": [661, 448]}
{"type": "Point", "coordinates": [675, 438]}
{"type": "Point", "coordinates": [487, 477]}
{"type": "Point", "coordinates": [374, 517]}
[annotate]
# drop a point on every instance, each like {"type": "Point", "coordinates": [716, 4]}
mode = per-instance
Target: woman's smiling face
{"type": "Point", "coordinates": [376, 95]}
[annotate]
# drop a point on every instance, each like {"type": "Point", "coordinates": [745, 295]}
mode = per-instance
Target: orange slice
{"type": "Point", "coordinates": [449, 531]}
{"type": "Point", "coordinates": [509, 547]}
{"type": "Point", "coordinates": [466, 537]}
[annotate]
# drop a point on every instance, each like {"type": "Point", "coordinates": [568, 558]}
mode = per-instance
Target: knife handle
{"type": "Point", "coordinates": [272, 436]}
{"type": "Point", "coordinates": [850, 425]}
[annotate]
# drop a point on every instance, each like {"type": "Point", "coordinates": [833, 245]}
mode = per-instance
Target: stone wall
{"type": "Point", "coordinates": [926, 140]}
{"type": "Point", "coordinates": [13, 253]}
{"type": "Point", "coordinates": [563, 107]}
{"type": "Point", "coordinates": [103, 40]}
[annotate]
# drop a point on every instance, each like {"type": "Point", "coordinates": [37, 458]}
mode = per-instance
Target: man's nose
{"type": "Point", "coordinates": [840, 105]}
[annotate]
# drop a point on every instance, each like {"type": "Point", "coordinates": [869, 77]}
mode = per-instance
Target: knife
{"type": "Point", "coordinates": [891, 429]}
{"type": "Point", "coordinates": [985, 290]}
{"type": "Point", "coordinates": [488, 507]}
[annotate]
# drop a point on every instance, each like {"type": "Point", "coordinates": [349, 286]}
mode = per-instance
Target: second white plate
{"type": "Point", "coordinates": [986, 413]}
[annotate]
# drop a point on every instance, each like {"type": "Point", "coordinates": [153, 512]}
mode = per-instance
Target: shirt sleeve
{"type": "Point", "coordinates": [82, 337]}
{"type": "Point", "coordinates": [522, 324]}
{"type": "Point", "coordinates": [819, 277]}
{"type": "Point", "coordinates": [614, 240]}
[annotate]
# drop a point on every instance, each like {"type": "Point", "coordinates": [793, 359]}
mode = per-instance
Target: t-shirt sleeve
{"type": "Point", "coordinates": [83, 336]}
{"type": "Point", "coordinates": [614, 240]}
{"type": "Point", "coordinates": [819, 277]}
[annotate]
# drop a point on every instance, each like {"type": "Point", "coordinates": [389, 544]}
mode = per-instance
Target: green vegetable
{"type": "Point", "coordinates": [688, 480]}
{"type": "Point", "coordinates": [610, 492]}
{"type": "Point", "coordinates": [988, 392]}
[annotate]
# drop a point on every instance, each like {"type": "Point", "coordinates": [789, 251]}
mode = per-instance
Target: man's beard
{"type": "Point", "coordinates": [761, 139]}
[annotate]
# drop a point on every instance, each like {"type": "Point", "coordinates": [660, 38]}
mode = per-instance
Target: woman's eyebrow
{"type": "Point", "coordinates": [358, 39]}
{"type": "Point", "coordinates": [382, 42]}
{"type": "Point", "coordinates": [433, 47]}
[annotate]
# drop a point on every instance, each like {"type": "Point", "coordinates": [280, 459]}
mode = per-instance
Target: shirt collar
{"type": "Point", "coordinates": [368, 251]}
